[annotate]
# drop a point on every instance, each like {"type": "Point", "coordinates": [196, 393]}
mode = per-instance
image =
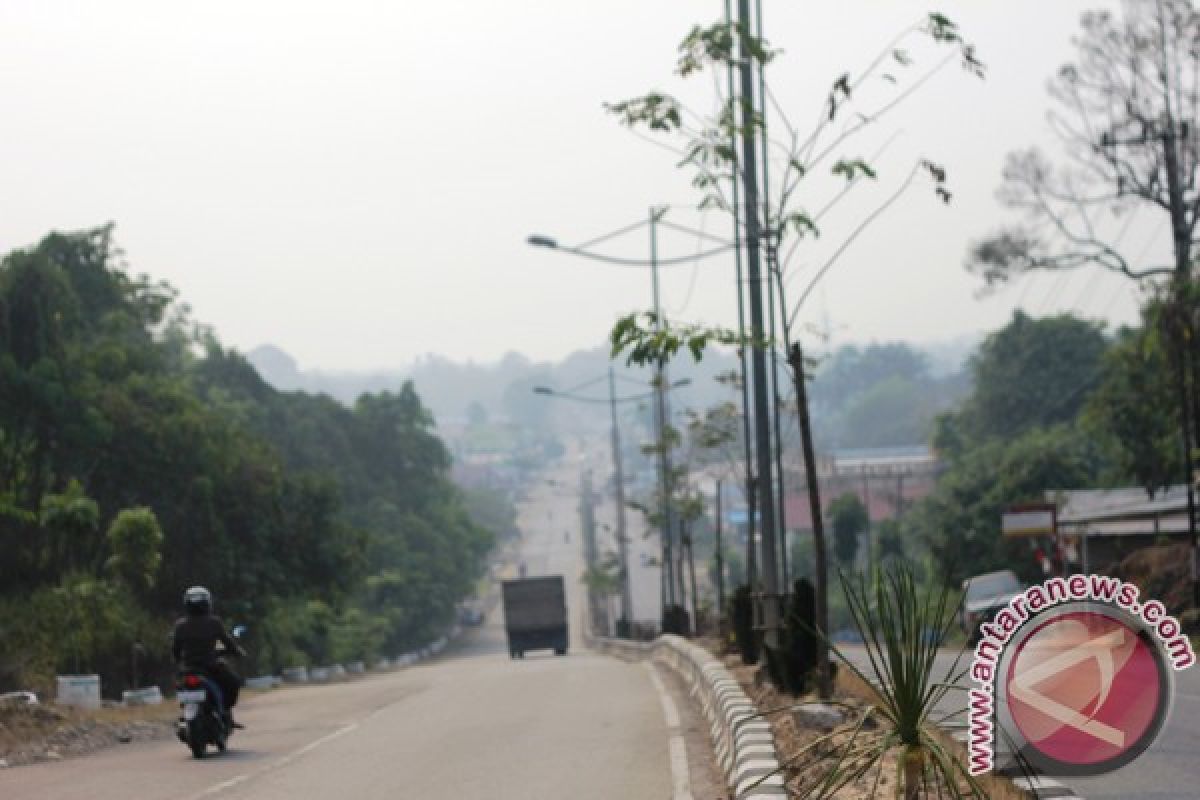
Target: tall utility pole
{"type": "Point", "coordinates": [720, 566]}
{"type": "Point", "coordinates": [1182, 239]}
{"type": "Point", "coordinates": [619, 479]}
{"type": "Point", "coordinates": [866, 498]}
{"type": "Point", "coordinates": [762, 418]}
{"type": "Point", "coordinates": [820, 560]}
{"type": "Point", "coordinates": [771, 243]}
{"type": "Point", "coordinates": [587, 521]}
{"type": "Point", "coordinates": [660, 423]}
{"type": "Point", "coordinates": [744, 376]}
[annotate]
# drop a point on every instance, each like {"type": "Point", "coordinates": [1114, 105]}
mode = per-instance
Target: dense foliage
{"type": "Point", "coordinates": [138, 457]}
{"type": "Point", "coordinates": [1056, 404]}
{"type": "Point", "coordinates": [880, 395]}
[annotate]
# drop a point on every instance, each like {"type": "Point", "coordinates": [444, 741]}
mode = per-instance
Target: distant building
{"type": "Point", "coordinates": [1101, 526]}
{"type": "Point", "coordinates": [888, 480]}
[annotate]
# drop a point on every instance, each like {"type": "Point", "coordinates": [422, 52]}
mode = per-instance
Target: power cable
{"type": "Point", "coordinates": [687, 299]}
{"type": "Point", "coordinates": [613, 235]}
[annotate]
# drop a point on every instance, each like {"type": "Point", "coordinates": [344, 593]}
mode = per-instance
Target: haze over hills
{"type": "Point", "coordinates": [504, 388]}
{"type": "Point", "coordinates": [931, 380]}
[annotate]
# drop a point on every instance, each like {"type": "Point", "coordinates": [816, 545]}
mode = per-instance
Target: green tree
{"type": "Point", "coordinates": [71, 521]}
{"type": "Point", "coordinates": [1032, 373]}
{"type": "Point", "coordinates": [960, 521]}
{"type": "Point", "coordinates": [851, 370]}
{"type": "Point", "coordinates": [476, 414]}
{"type": "Point", "coordinates": [135, 539]}
{"type": "Point", "coordinates": [848, 518]}
{"type": "Point", "coordinates": [895, 411]}
{"type": "Point", "coordinates": [114, 406]}
{"type": "Point", "coordinates": [891, 541]}
{"type": "Point", "coordinates": [1135, 409]}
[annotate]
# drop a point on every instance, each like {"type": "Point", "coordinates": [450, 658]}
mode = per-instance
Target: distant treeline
{"type": "Point", "coordinates": [138, 457]}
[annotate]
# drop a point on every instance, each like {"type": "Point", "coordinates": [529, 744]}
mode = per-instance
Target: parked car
{"type": "Point", "coordinates": [470, 614]}
{"type": "Point", "coordinates": [984, 597]}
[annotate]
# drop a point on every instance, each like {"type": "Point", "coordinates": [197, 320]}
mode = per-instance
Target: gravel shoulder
{"type": "Point", "coordinates": [37, 733]}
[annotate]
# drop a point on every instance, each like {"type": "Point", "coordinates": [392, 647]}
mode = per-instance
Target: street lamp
{"type": "Point", "coordinates": [542, 241]}
{"type": "Point", "coordinates": [653, 221]}
{"type": "Point", "coordinates": [618, 472]}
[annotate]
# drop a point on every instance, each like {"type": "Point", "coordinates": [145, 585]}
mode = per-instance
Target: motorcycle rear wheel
{"type": "Point", "coordinates": [197, 736]}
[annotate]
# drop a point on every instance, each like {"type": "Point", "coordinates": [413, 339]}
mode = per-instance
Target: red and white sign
{"type": "Point", "coordinates": [1032, 520]}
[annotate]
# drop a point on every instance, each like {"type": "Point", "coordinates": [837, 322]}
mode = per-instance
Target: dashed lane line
{"type": "Point", "coordinates": [278, 763]}
{"type": "Point", "coordinates": [283, 761]}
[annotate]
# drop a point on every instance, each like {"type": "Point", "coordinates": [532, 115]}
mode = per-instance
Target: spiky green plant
{"type": "Point", "coordinates": [902, 629]}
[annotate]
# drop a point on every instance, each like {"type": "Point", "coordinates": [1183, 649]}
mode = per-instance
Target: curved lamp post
{"type": "Point", "coordinates": [618, 473]}
{"type": "Point", "coordinates": [653, 221]}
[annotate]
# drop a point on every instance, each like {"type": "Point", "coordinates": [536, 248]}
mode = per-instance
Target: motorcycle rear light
{"type": "Point", "coordinates": [191, 681]}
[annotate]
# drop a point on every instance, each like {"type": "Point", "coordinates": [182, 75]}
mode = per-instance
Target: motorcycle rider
{"type": "Point", "coordinates": [194, 644]}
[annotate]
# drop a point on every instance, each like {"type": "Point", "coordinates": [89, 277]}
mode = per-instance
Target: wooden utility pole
{"type": "Point", "coordinates": [824, 681]}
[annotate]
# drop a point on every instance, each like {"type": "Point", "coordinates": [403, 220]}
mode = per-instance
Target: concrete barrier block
{"type": "Point", "coordinates": [148, 696]}
{"type": "Point", "coordinates": [295, 674]}
{"type": "Point", "coordinates": [79, 691]}
{"type": "Point", "coordinates": [771, 787]}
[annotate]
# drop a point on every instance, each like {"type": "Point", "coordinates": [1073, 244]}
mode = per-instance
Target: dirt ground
{"type": "Point", "coordinates": [45, 732]}
{"type": "Point", "coordinates": [804, 773]}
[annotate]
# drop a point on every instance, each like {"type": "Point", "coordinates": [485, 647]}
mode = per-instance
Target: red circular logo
{"type": "Point", "coordinates": [1086, 691]}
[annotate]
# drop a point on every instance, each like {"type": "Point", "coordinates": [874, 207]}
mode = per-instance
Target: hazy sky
{"type": "Point", "coordinates": [354, 181]}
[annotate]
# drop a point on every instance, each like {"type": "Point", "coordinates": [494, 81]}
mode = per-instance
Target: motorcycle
{"type": "Point", "coordinates": [202, 718]}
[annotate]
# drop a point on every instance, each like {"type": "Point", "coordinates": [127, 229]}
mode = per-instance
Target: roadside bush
{"type": "Point", "coordinates": [791, 665]}
{"type": "Point", "coordinates": [677, 620]}
{"type": "Point", "coordinates": [743, 624]}
{"type": "Point", "coordinates": [81, 626]}
{"type": "Point", "coordinates": [357, 636]}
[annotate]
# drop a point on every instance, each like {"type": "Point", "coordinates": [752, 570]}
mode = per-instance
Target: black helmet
{"type": "Point", "coordinates": [197, 601]}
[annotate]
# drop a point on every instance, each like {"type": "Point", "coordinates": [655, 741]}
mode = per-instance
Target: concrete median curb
{"type": "Point", "coordinates": [742, 741]}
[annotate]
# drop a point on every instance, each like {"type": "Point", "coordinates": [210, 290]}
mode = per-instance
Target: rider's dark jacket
{"type": "Point", "coordinates": [194, 641]}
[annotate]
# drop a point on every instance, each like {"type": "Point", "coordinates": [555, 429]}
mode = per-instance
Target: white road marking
{"type": "Point", "coordinates": [668, 705]}
{"type": "Point", "coordinates": [225, 786]}
{"type": "Point", "coordinates": [680, 778]}
{"type": "Point", "coordinates": [220, 787]}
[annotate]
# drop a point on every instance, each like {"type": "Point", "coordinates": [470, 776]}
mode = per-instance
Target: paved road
{"type": "Point", "coordinates": [1169, 770]}
{"type": "Point", "coordinates": [473, 724]}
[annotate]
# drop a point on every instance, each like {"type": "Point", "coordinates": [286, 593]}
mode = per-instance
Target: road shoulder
{"type": "Point", "coordinates": [704, 776]}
